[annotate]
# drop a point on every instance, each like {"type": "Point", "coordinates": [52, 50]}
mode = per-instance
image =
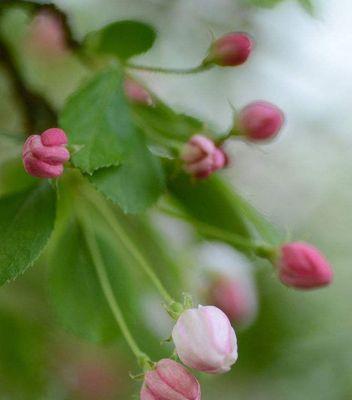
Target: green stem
{"type": "Point", "coordinates": [176, 71]}
{"type": "Point", "coordinates": [260, 249]}
{"type": "Point", "coordinates": [110, 218]}
{"type": "Point", "coordinates": [107, 289]}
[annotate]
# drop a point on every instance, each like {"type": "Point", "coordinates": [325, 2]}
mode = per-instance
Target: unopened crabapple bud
{"type": "Point", "coordinates": [230, 50]}
{"type": "Point", "coordinates": [201, 157]}
{"type": "Point", "coordinates": [234, 298]}
{"type": "Point", "coordinates": [302, 266]}
{"type": "Point", "coordinates": [136, 93]}
{"type": "Point", "coordinates": [170, 381]}
{"type": "Point", "coordinates": [259, 121]}
{"type": "Point", "coordinates": [44, 155]}
{"type": "Point", "coordinates": [205, 340]}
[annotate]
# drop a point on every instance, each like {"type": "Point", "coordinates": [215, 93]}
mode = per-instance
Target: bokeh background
{"type": "Point", "coordinates": [299, 346]}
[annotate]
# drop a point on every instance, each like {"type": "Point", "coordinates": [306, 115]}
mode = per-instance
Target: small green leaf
{"type": "Point", "coordinates": [26, 222]}
{"type": "Point", "coordinates": [75, 289]}
{"type": "Point", "coordinates": [136, 184]}
{"type": "Point", "coordinates": [124, 39]}
{"type": "Point", "coordinates": [164, 121]}
{"type": "Point", "coordinates": [97, 121]}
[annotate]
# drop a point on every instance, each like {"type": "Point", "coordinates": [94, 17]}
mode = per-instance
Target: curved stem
{"type": "Point", "coordinates": [176, 71]}
{"type": "Point", "coordinates": [107, 289]}
{"type": "Point", "coordinates": [110, 218]}
{"type": "Point", "coordinates": [260, 249]}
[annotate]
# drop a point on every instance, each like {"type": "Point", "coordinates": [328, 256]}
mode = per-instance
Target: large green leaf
{"type": "Point", "coordinates": [210, 201]}
{"type": "Point", "coordinates": [98, 123]}
{"type": "Point", "coordinates": [26, 222]}
{"type": "Point", "coordinates": [124, 39]}
{"type": "Point", "coordinates": [74, 286]}
{"type": "Point", "coordinates": [265, 3]}
{"type": "Point", "coordinates": [136, 184]}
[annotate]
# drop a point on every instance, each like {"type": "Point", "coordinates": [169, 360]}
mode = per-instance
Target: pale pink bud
{"type": "Point", "coordinates": [259, 120]}
{"type": "Point", "coordinates": [170, 381]}
{"type": "Point", "coordinates": [205, 340]}
{"type": "Point", "coordinates": [201, 157]}
{"type": "Point", "coordinates": [230, 50]}
{"type": "Point", "coordinates": [44, 155]}
{"type": "Point", "coordinates": [234, 298]}
{"type": "Point", "coordinates": [302, 266]}
{"type": "Point", "coordinates": [136, 93]}
{"type": "Point", "coordinates": [47, 34]}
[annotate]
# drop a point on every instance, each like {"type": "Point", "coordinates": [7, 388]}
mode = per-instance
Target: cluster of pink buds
{"type": "Point", "coordinates": [44, 155]}
{"type": "Point", "coordinates": [302, 266]}
{"type": "Point", "coordinates": [201, 157]}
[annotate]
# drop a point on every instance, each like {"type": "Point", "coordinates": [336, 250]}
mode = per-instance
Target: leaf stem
{"type": "Point", "coordinates": [186, 71]}
{"type": "Point", "coordinates": [107, 289]}
{"type": "Point", "coordinates": [110, 218]}
{"type": "Point", "coordinates": [260, 249]}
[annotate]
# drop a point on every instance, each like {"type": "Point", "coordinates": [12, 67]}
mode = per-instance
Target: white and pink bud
{"type": "Point", "coordinates": [259, 121]}
{"type": "Point", "coordinates": [302, 266]}
{"type": "Point", "coordinates": [230, 50]}
{"type": "Point", "coordinates": [205, 340]}
{"type": "Point", "coordinates": [44, 155]}
{"type": "Point", "coordinates": [136, 93]}
{"type": "Point", "coordinates": [170, 381]}
{"type": "Point", "coordinates": [201, 157]}
{"type": "Point", "coordinates": [234, 297]}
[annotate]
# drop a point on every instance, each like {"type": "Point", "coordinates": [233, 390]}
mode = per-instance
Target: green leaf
{"type": "Point", "coordinates": [13, 177]}
{"type": "Point", "coordinates": [210, 201]}
{"type": "Point", "coordinates": [164, 121]}
{"type": "Point", "coordinates": [265, 3]}
{"type": "Point", "coordinates": [98, 123]}
{"type": "Point", "coordinates": [136, 184]}
{"type": "Point", "coordinates": [308, 6]}
{"type": "Point", "coordinates": [75, 289]}
{"type": "Point", "coordinates": [124, 39]}
{"type": "Point", "coordinates": [26, 222]}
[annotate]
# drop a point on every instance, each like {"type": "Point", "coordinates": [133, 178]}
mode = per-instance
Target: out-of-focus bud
{"type": "Point", "coordinates": [47, 34]}
{"type": "Point", "coordinates": [302, 266]}
{"type": "Point", "coordinates": [230, 50]}
{"type": "Point", "coordinates": [234, 298]}
{"type": "Point", "coordinates": [259, 121]}
{"type": "Point", "coordinates": [136, 93]}
{"type": "Point", "coordinates": [205, 340]}
{"type": "Point", "coordinates": [44, 155]}
{"type": "Point", "coordinates": [170, 381]}
{"type": "Point", "coordinates": [201, 157]}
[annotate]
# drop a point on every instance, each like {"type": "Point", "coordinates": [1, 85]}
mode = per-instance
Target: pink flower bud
{"type": "Point", "coordinates": [234, 298]}
{"type": "Point", "coordinates": [170, 381]}
{"type": "Point", "coordinates": [201, 157]}
{"type": "Point", "coordinates": [302, 266]}
{"type": "Point", "coordinates": [137, 94]}
{"type": "Point", "coordinates": [205, 340]}
{"type": "Point", "coordinates": [44, 155]}
{"type": "Point", "coordinates": [259, 120]}
{"type": "Point", "coordinates": [230, 50]}
{"type": "Point", "coordinates": [47, 34]}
